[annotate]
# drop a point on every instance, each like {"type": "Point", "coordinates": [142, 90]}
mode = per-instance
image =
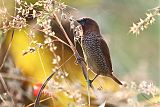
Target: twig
{"type": "Point", "coordinates": [54, 54]}
{"type": "Point", "coordinates": [41, 89]}
{"type": "Point", "coordinates": [45, 83]}
{"type": "Point", "coordinates": [3, 100]}
{"type": "Point", "coordinates": [44, 71]}
{"type": "Point", "coordinates": [39, 101]}
{"type": "Point", "coordinates": [10, 43]}
{"type": "Point", "coordinates": [3, 61]}
{"type": "Point", "coordinates": [1, 78]}
{"type": "Point", "coordinates": [76, 54]}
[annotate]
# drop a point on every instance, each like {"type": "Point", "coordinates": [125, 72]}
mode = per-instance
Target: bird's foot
{"type": "Point", "coordinates": [90, 83]}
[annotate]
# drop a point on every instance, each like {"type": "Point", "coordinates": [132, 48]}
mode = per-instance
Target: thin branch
{"type": "Point", "coordinates": [41, 89]}
{"type": "Point", "coordinates": [76, 54]}
{"type": "Point", "coordinates": [10, 43]}
{"type": "Point", "coordinates": [44, 71]}
{"type": "Point", "coordinates": [3, 100]}
{"type": "Point", "coordinates": [45, 83]}
{"type": "Point", "coordinates": [39, 101]}
{"type": "Point", "coordinates": [54, 54]}
{"type": "Point", "coordinates": [1, 78]}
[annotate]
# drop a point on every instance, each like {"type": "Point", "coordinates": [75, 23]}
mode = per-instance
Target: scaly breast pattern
{"type": "Point", "coordinates": [94, 55]}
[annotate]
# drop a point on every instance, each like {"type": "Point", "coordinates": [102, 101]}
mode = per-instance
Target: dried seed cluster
{"type": "Point", "coordinates": [144, 23]}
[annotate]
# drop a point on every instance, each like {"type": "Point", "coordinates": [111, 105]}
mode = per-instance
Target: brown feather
{"type": "Point", "coordinates": [115, 79]}
{"type": "Point", "coordinates": [106, 53]}
{"type": "Point", "coordinates": [95, 49]}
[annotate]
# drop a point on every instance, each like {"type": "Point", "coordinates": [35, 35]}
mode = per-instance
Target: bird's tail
{"type": "Point", "coordinates": [115, 79]}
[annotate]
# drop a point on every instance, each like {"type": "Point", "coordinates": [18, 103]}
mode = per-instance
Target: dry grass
{"type": "Point", "coordinates": [43, 12]}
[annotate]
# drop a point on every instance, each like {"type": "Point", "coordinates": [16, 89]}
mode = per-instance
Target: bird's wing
{"type": "Point", "coordinates": [106, 52]}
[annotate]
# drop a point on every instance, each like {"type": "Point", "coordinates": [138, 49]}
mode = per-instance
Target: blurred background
{"type": "Point", "coordinates": [134, 58]}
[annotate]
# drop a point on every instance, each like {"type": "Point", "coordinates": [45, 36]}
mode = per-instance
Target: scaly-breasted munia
{"type": "Point", "coordinates": [95, 49]}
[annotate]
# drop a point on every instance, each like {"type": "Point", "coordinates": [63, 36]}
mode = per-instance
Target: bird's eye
{"type": "Point", "coordinates": [83, 22]}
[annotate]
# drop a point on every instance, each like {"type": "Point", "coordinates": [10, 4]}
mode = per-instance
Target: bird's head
{"type": "Point", "coordinates": [88, 24]}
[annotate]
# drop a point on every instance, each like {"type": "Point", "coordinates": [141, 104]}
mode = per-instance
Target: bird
{"type": "Point", "coordinates": [95, 50]}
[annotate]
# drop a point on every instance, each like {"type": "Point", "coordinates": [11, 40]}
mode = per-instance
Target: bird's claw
{"type": "Point", "coordinates": [90, 83]}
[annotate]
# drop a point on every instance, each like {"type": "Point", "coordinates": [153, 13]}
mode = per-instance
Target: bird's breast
{"type": "Point", "coordinates": [94, 55]}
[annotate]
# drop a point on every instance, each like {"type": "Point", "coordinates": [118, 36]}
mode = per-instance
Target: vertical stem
{"type": "Point", "coordinates": [44, 71]}
{"type": "Point", "coordinates": [3, 61]}
{"type": "Point", "coordinates": [76, 54]}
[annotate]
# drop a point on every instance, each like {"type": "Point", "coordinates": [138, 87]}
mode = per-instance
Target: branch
{"type": "Point", "coordinates": [76, 54]}
{"type": "Point", "coordinates": [1, 78]}
{"type": "Point", "coordinates": [41, 89]}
